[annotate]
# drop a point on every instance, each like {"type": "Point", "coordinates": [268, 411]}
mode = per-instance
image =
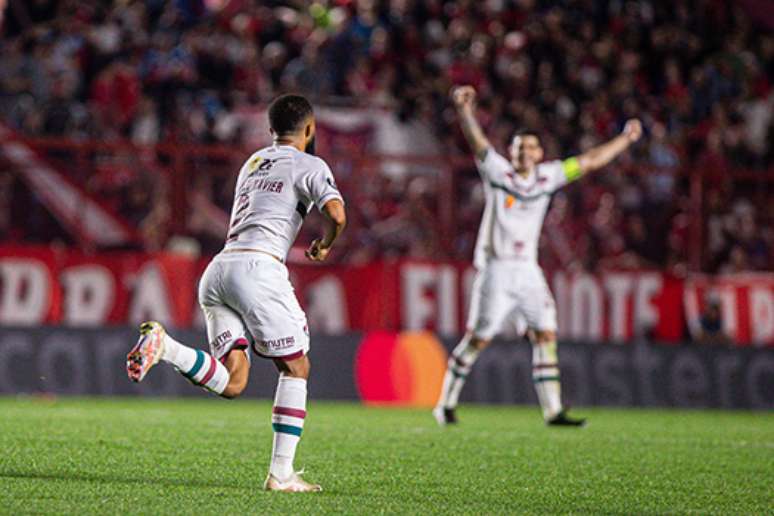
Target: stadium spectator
{"type": "Point", "coordinates": [181, 72]}
{"type": "Point", "coordinates": [711, 331]}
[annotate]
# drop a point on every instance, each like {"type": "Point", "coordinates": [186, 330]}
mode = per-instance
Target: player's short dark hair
{"type": "Point", "coordinates": [525, 132]}
{"type": "Point", "coordinates": [288, 112]}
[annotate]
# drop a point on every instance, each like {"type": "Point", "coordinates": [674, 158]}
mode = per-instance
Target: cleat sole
{"type": "Point", "coordinates": [140, 360]}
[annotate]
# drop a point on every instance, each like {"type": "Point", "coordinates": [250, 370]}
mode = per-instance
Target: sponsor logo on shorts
{"type": "Point", "coordinates": [279, 344]}
{"type": "Point", "coordinates": [221, 340]}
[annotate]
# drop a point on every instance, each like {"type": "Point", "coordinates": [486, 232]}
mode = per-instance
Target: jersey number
{"type": "Point", "coordinates": [267, 164]}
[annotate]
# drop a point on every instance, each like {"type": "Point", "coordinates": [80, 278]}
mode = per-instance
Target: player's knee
{"type": "Point", "coordinates": [478, 342]}
{"type": "Point", "coordinates": [298, 368]}
{"type": "Point", "coordinates": [235, 387]}
{"type": "Point", "coordinates": [545, 336]}
{"type": "Point", "coordinates": [238, 367]}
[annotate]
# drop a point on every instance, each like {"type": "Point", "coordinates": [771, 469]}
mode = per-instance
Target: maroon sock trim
{"type": "Point", "coordinates": [287, 411]}
{"type": "Point", "coordinates": [210, 372]}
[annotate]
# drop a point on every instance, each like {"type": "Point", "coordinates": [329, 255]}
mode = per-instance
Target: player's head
{"type": "Point", "coordinates": [525, 150]}
{"type": "Point", "coordinates": [292, 117]}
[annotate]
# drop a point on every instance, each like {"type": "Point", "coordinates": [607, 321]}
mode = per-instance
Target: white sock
{"type": "Point", "coordinates": [287, 421]}
{"type": "Point", "coordinates": [177, 354]}
{"type": "Point", "coordinates": [545, 376]}
{"type": "Point", "coordinates": [199, 367]}
{"type": "Point", "coordinates": [460, 363]}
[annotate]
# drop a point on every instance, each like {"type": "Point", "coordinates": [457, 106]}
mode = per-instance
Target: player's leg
{"type": "Point", "coordinates": [538, 308]}
{"type": "Point", "coordinates": [229, 344]}
{"type": "Point", "coordinates": [458, 367]}
{"type": "Point", "coordinates": [545, 375]}
{"type": "Point", "coordinates": [237, 363]}
{"type": "Point", "coordinates": [545, 372]}
{"type": "Point", "coordinates": [271, 312]}
{"type": "Point", "coordinates": [212, 371]}
{"type": "Point", "coordinates": [155, 345]}
{"type": "Point", "coordinates": [223, 371]}
{"type": "Point", "coordinates": [288, 415]}
{"type": "Point", "coordinates": [488, 307]}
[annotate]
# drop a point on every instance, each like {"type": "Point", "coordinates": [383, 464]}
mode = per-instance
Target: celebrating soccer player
{"type": "Point", "coordinates": [509, 282]}
{"type": "Point", "coordinates": [247, 298]}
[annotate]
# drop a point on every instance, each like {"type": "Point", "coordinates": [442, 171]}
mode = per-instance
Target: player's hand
{"type": "Point", "coordinates": [317, 252]}
{"type": "Point", "coordinates": [632, 130]}
{"type": "Point", "coordinates": [463, 96]}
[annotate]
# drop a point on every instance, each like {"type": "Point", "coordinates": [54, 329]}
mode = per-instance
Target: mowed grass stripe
{"type": "Point", "coordinates": [208, 456]}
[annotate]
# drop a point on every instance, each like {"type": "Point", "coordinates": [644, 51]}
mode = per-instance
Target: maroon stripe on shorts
{"type": "Point", "coordinates": [544, 366]}
{"type": "Point", "coordinates": [240, 343]}
{"type": "Point", "coordinates": [292, 356]}
{"type": "Point", "coordinates": [285, 411]}
{"type": "Point", "coordinates": [210, 373]}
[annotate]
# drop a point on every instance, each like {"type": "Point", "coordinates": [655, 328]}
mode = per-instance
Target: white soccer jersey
{"type": "Point", "coordinates": [515, 207]}
{"type": "Point", "coordinates": [276, 188]}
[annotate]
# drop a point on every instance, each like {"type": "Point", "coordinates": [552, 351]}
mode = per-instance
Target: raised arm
{"type": "Point", "coordinates": [601, 155]}
{"type": "Point", "coordinates": [464, 98]}
{"type": "Point", "coordinates": [335, 220]}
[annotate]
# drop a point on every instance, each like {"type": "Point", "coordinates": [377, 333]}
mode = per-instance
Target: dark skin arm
{"type": "Point", "coordinates": [335, 221]}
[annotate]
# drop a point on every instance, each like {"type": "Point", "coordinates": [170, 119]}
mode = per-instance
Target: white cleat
{"type": "Point", "coordinates": [147, 352]}
{"type": "Point", "coordinates": [294, 484]}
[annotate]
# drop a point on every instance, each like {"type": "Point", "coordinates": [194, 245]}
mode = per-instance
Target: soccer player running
{"type": "Point", "coordinates": [245, 293]}
{"type": "Point", "coordinates": [509, 282]}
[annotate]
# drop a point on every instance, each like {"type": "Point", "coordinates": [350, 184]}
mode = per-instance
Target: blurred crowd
{"type": "Point", "coordinates": [698, 73]}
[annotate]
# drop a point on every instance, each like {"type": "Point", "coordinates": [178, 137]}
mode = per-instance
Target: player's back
{"type": "Point", "coordinates": [275, 190]}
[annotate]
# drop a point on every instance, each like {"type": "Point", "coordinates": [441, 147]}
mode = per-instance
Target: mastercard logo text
{"type": "Point", "coordinates": [400, 368]}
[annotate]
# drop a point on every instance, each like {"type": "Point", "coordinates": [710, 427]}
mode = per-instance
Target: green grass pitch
{"type": "Point", "coordinates": [208, 456]}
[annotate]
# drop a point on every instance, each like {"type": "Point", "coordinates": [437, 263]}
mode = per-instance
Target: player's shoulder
{"type": "Point", "coordinates": [310, 163]}
{"type": "Point", "coordinates": [548, 164]}
{"type": "Point", "coordinates": [549, 167]}
{"type": "Point", "coordinates": [493, 158]}
{"type": "Point", "coordinates": [261, 155]}
{"type": "Point", "coordinates": [491, 154]}
{"type": "Point", "coordinates": [312, 159]}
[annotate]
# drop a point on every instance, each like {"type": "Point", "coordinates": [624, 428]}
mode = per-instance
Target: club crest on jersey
{"type": "Point", "coordinates": [510, 201]}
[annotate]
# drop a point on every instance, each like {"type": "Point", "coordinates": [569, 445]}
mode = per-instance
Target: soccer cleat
{"type": "Point", "coordinates": [294, 484]}
{"type": "Point", "coordinates": [445, 416]}
{"type": "Point", "coordinates": [147, 352]}
{"type": "Point", "coordinates": [562, 419]}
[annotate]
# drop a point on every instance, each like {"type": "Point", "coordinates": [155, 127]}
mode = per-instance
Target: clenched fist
{"type": "Point", "coordinates": [317, 252]}
{"type": "Point", "coordinates": [463, 96]}
{"type": "Point", "coordinates": [632, 130]}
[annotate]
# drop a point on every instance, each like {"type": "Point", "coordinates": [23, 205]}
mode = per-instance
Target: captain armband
{"type": "Point", "coordinates": [572, 169]}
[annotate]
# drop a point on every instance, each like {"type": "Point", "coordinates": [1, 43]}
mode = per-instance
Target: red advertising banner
{"type": "Point", "coordinates": [746, 303]}
{"type": "Point", "coordinates": [64, 287]}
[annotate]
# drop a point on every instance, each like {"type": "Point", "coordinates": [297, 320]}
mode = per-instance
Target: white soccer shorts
{"type": "Point", "coordinates": [512, 291]}
{"type": "Point", "coordinates": [247, 297]}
